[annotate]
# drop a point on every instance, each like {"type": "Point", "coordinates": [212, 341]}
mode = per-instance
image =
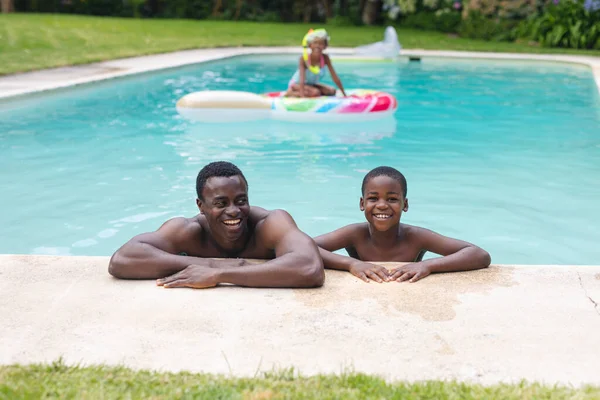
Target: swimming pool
{"type": "Point", "coordinates": [503, 154]}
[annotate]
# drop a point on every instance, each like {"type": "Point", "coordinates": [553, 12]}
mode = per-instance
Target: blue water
{"type": "Point", "coordinates": [504, 155]}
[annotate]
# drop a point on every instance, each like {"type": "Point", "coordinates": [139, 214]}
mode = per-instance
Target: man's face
{"type": "Point", "coordinates": [225, 206]}
{"type": "Point", "coordinates": [383, 202]}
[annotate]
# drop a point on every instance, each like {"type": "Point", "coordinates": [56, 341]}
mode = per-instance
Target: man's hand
{"type": "Point", "coordinates": [364, 271]}
{"type": "Point", "coordinates": [410, 272]}
{"type": "Point", "coordinates": [194, 276]}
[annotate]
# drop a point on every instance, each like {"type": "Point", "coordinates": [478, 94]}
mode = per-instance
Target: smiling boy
{"type": "Point", "coordinates": [180, 253]}
{"type": "Point", "coordinates": [384, 238]}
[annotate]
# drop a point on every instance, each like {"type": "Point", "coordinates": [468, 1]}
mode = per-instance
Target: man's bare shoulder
{"type": "Point", "coordinates": [270, 217]}
{"type": "Point", "coordinates": [182, 228]}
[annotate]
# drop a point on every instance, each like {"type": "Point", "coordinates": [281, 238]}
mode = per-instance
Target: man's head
{"type": "Point", "coordinates": [383, 197]}
{"type": "Point", "coordinates": [222, 192]}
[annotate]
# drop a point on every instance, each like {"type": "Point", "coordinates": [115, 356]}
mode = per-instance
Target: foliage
{"type": "Point", "coordinates": [479, 26]}
{"type": "Point", "coordinates": [570, 23]}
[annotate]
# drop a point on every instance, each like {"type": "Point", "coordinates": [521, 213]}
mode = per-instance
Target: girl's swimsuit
{"type": "Point", "coordinates": [310, 78]}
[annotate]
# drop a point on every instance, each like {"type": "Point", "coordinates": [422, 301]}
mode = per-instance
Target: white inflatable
{"type": "Point", "coordinates": [233, 106]}
{"type": "Point", "coordinates": [224, 105]}
{"type": "Point", "coordinates": [388, 48]}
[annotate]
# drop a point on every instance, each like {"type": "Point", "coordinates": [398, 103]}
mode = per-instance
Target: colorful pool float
{"type": "Point", "coordinates": [360, 104]}
{"type": "Point", "coordinates": [235, 106]}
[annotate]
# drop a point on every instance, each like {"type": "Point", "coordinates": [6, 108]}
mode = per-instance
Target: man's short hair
{"type": "Point", "coordinates": [216, 169]}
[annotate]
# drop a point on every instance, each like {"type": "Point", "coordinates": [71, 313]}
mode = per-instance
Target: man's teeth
{"type": "Point", "coordinates": [232, 221]}
{"type": "Point", "coordinates": [382, 216]}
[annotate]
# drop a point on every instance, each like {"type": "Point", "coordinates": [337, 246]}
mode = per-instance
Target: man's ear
{"type": "Point", "coordinates": [405, 209]}
{"type": "Point", "coordinates": [199, 204]}
{"type": "Point", "coordinates": [362, 204]}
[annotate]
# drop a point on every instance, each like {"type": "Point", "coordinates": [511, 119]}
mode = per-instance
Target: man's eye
{"type": "Point", "coordinates": [241, 202]}
{"type": "Point", "coordinates": [220, 204]}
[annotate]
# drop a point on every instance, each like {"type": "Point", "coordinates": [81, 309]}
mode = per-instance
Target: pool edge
{"type": "Point", "coordinates": [51, 79]}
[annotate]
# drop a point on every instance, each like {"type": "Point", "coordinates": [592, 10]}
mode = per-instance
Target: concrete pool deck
{"type": "Point", "coordinates": [501, 324]}
{"type": "Point", "coordinates": [55, 78]}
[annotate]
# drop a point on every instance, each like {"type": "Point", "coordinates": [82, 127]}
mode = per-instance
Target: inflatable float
{"type": "Point", "coordinates": [389, 48]}
{"type": "Point", "coordinates": [236, 106]}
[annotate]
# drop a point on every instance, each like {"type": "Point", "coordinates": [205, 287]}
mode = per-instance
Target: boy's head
{"type": "Point", "coordinates": [384, 197]}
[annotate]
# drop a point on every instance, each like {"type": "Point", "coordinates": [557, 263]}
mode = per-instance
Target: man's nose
{"type": "Point", "coordinates": [232, 210]}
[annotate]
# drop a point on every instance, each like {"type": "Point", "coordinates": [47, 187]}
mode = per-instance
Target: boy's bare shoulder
{"type": "Point", "coordinates": [354, 231]}
{"type": "Point", "coordinates": [413, 232]}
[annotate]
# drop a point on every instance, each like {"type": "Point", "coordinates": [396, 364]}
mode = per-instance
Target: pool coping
{"type": "Point", "coordinates": [500, 324]}
{"type": "Point", "coordinates": [21, 84]}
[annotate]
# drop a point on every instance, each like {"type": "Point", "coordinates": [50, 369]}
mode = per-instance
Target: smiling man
{"type": "Point", "coordinates": [181, 252]}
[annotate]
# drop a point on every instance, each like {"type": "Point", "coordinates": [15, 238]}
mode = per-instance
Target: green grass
{"type": "Point", "coordinates": [35, 41]}
{"type": "Point", "coordinates": [58, 381]}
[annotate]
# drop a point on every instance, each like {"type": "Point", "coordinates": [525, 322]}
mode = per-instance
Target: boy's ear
{"type": "Point", "coordinates": [199, 204]}
{"type": "Point", "coordinates": [362, 204]}
{"type": "Point", "coordinates": [405, 209]}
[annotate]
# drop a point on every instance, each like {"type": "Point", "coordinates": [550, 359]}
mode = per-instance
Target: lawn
{"type": "Point", "coordinates": [35, 41]}
{"type": "Point", "coordinates": [57, 381]}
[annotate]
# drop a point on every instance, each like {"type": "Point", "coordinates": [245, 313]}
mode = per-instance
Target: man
{"type": "Point", "coordinates": [180, 253]}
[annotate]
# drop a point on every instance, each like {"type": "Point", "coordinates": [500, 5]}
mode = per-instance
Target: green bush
{"type": "Point", "coordinates": [566, 24]}
{"type": "Point", "coordinates": [477, 26]}
{"type": "Point", "coordinates": [441, 20]}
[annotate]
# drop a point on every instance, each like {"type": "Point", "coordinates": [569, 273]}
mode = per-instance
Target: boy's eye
{"type": "Point", "coordinates": [241, 202]}
{"type": "Point", "coordinates": [372, 198]}
{"type": "Point", "coordinates": [392, 199]}
{"type": "Point", "coordinates": [220, 204]}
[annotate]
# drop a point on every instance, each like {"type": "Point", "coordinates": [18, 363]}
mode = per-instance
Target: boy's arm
{"type": "Point", "coordinates": [154, 255]}
{"type": "Point", "coordinates": [334, 75]}
{"type": "Point", "coordinates": [457, 255]}
{"type": "Point", "coordinates": [340, 239]}
{"type": "Point", "coordinates": [297, 262]}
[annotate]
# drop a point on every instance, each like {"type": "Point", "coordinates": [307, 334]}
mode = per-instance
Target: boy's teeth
{"type": "Point", "coordinates": [232, 222]}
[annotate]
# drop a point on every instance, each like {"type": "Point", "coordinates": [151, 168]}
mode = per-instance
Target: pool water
{"type": "Point", "coordinates": [505, 155]}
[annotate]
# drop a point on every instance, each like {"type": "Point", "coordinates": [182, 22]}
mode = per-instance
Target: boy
{"type": "Point", "coordinates": [384, 238]}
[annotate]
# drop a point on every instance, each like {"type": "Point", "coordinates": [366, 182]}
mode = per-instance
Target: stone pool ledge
{"type": "Point", "coordinates": [55, 78]}
{"type": "Point", "coordinates": [502, 324]}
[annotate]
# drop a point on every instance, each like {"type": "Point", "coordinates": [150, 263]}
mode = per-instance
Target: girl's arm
{"type": "Point", "coordinates": [334, 76]}
{"type": "Point", "coordinates": [302, 69]}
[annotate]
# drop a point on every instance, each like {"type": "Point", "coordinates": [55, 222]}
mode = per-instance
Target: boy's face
{"type": "Point", "coordinates": [383, 202]}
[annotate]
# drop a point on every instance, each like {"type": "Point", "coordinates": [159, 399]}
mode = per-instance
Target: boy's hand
{"type": "Point", "coordinates": [410, 272]}
{"type": "Point", "coordinates": [364, 271]}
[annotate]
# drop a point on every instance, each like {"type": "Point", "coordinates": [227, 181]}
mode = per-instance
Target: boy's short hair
{"type": "Point", "coordinates": [385, 171]}
{"type": "Point", "coordinates": [216, 169]}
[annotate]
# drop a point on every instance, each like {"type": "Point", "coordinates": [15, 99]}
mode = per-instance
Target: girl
{"type": "Point", "coordinates": [306, 80]}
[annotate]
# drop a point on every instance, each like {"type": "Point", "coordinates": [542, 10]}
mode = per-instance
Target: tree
{"type": "Point", "coordinates": [7, 6]}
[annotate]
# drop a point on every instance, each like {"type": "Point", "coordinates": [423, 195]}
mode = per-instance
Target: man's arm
{"type": "Point", "coordinates": [340, 239]}
{"type": "Point", "coordinates": [154, 255]}
{"type": "Point", "coordinates": [297, 263]}
{"type": "Point", "coordinates": [457, 255]}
